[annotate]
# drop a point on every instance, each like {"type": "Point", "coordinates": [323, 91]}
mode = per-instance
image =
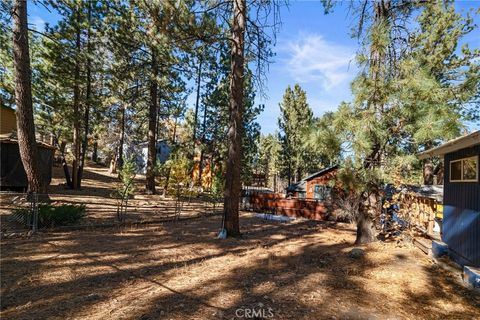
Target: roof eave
{"type": "Point", "coordinates": [320, 173]}
{"type": "Point", "coordinates": [467, 141]}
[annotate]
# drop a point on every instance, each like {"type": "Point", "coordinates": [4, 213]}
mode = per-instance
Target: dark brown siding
{"type": "Point", "coordinates": [12, 172]}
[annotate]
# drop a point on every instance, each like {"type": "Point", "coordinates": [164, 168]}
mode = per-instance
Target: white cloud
{"type": "Point", "coordinates": [37, 23]}
{"type": "Point", "coordinates": [323, 104]}
{"type": "Point", "coordinates": [311, 58]}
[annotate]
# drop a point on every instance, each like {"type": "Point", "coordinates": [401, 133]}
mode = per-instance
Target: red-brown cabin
{"type": "Point", "coordinates": [316, 186]}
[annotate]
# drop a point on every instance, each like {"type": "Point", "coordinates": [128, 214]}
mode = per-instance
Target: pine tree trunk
{"type": "Point", "coordinates": [174, 135]}
{"type": "Point", "coordinates": [61, 148]}
{"type": "Point", "coordinates": [152, 126]}
{"type": "Point", "coordinates": [88, 94]}
{"type": "Point", "coordinates": [23, 99]}
{"type": "Point", "coordinates": [202, 153]}
{"type": "Point", "coordinates": [365, 229]}
{"type": "Point", "coordinates": [200, 168]}
{"type": "Point", "coordinates": [197, 101]}
{"type": "Point", "coordinates": [95, 150]}
{"type": "Point", "coordinates": [289, 173]}
{"type": "Point", "coordinates": [232, 178]}
{"type": "Point", "coordinates": [159, 116]}
{"type": "Point", "coordinates": [68, 180]}
{"type": "Point", "coordinates": [428, 172]}
{"type": "Point", "coordinates": [371, 206]}
{"type": "Point", "coordinates": [85, 137]}
{"type": "Point", "coordinates": [122, 139]}
{"type": "Point", "coordinates": [167, 181]}
{"type": "Point", "coordinates": [195, 117]}
{"type": "Point", "coordinates": [76, 108]}
{"type": "Point", "coordinates": [368, 208]}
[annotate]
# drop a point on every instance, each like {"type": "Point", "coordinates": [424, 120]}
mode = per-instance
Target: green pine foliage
{"type": "Point", "coordinates": [295, 117]}
{"type": "Point", "coordinates": [7, 95]}
{"type": "Point", "coordinates": [215, 107]}
{"type": "Point", "coordinates": [127, 175]}
{"type": "Point", "coordinates": [412, 101]}
{"type": "Point", "coordinates": [268, 161]}
{"type": "Point", "coordinates": [415, 89]}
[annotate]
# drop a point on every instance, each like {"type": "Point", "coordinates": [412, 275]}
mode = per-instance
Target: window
{"type": "Point", "coordinates": [470, 169]}
{"type": "Point", "coordinates": [464, 170]}
{"type": "Point", "coordinates": [321, 192]}
{"type": "Point", "coordinates": [456, 170]}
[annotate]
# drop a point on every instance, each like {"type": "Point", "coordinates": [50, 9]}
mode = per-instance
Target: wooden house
{"type": "Point", "coordinates": [315, 186]}
{"type": "Point", "coordinates": [461, 198]}
{"type": "Point", "coordinates": [12, 173]}
{"type": "Point", "coordinates": [206, 172]}
{"type": "Point", "coordinates": [140, 153]}
{"type": "Point", "coordinates": [8, 121]}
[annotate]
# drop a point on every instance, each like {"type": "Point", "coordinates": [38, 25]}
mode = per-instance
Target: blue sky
{"type": "Point", "coordinates": [316, 51]}
{"type": "Point", "coordinates": [312, 49]}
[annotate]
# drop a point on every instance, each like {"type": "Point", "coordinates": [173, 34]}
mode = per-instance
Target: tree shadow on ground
{"type": "Point", "coordinates": [180, 271]}
{"type": "Point", "coordinates": [86, 250]}
{"type": "Point", "coordinates": [444, 287]}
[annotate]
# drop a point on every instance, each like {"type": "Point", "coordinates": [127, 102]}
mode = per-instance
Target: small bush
{"type": "Point", "coordinates": [126, 186]}
{"type": "Point", "coordinates": [53, 216]}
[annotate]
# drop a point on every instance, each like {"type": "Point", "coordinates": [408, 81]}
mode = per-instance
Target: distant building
{"type": "Point", "coordinates": [315, 186]}
{"type": "Point", "coordinates": [8, 121]}
{"type": "Point", "coordinates": [461, 198]}
{"type": "Point", "coordinates": [139, 152]}
{"type": "Point", "coordinates": [12, 173]}
{"type": "Point", "coordinates": [207, 174]}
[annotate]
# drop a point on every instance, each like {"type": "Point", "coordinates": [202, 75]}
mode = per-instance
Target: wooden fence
{"type": "Point", "coordinates": [417, 210]}
{"type": "Point", "coordinates": [278, 204]}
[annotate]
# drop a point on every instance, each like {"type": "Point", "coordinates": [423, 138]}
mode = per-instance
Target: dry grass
{"type": "Point", "coordinates": [300, 270]}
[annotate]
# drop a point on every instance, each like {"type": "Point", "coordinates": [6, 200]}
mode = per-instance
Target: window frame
{"type": "Point", "coordinates": [316, 188]}
{"type": "Point", "coordinates": [461, 169]}
{"type": "Point", "coordinates": [323, 191]}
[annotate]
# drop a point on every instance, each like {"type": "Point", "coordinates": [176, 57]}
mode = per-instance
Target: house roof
{"type": "Point", "coordinates": [301, 186]}
{"type": "Point", "coordinates": [466, 141]}
{"type": "Point", "coordinates": [319, 173]}
{"type": "Point", "coordinates": [7, 139]}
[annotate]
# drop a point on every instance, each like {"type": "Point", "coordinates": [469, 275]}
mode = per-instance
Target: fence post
{"type": "Point", "coordinates": [34, 207]}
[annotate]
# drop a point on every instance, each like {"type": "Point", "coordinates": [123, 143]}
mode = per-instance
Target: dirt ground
{"type": "Point", "coordinates": [178, 270]}
{"type": "Point", "coordinates": [99, 195]}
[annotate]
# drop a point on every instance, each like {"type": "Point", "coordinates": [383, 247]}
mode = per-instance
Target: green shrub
{"type": "Point", "coordinates": [126, 187]}
{"type": "Point", "coordinates": [52, 216]}
{"type": "Point", "coordinates": [218, 185]}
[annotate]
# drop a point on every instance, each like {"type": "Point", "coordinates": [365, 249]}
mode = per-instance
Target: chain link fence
{"type": "Point", "coordinates": [12, 207]}
{"type": "Point", "coordinates": [30, 212]}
